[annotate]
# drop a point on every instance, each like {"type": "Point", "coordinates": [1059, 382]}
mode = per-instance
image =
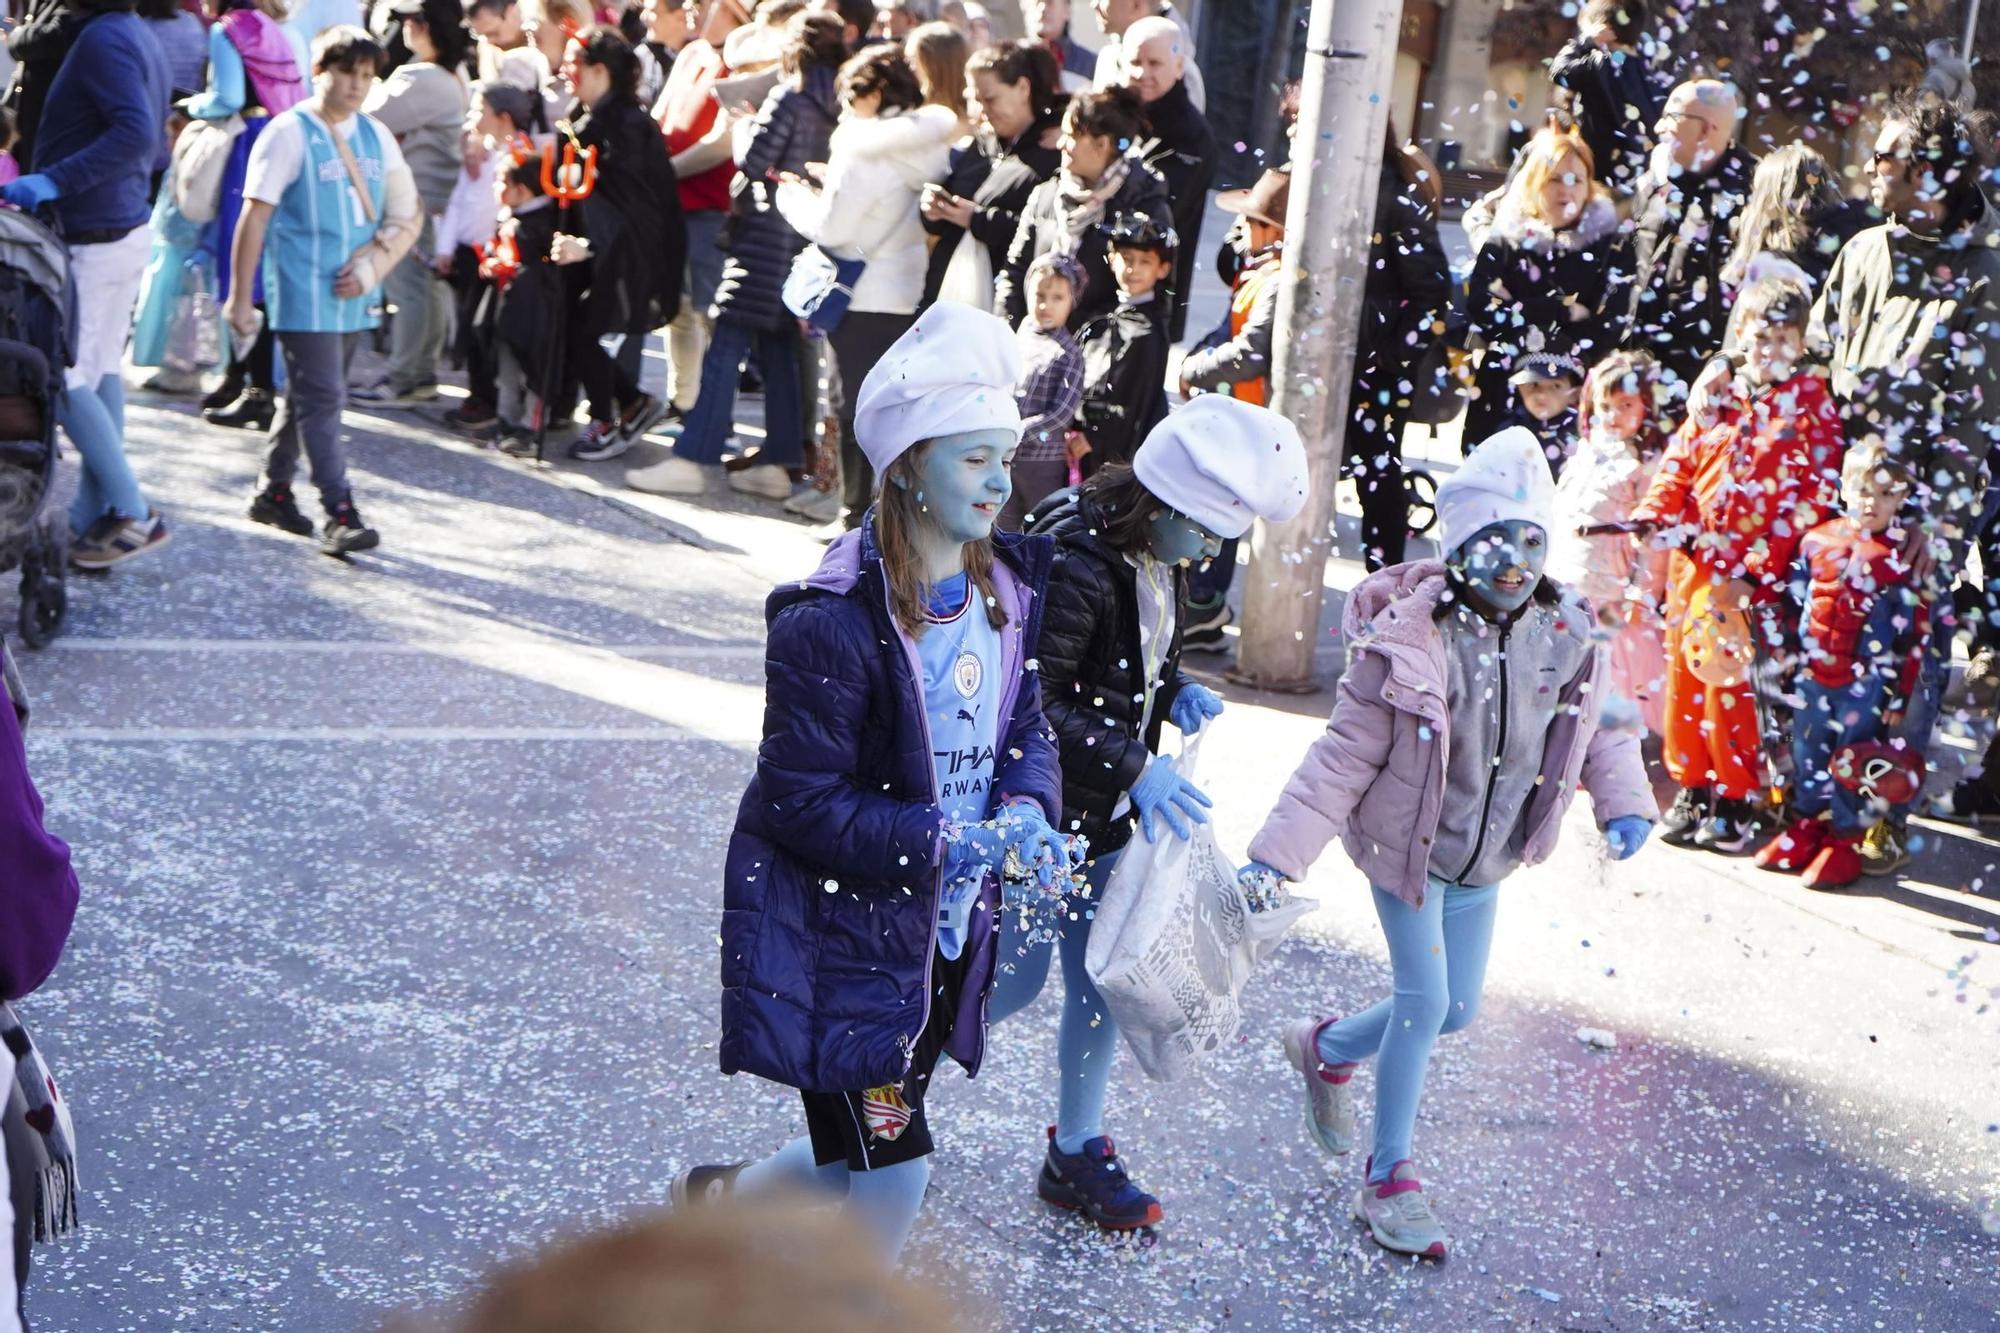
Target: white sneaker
{"type": "Point", "coordinates": [767, 481]}
{"type": "Point", "coordinates": [670, 476]}
{"type": "Point", "coordinates": [1329, 1088]}
{"type": "Point", "coordinates": [816, 506]}
{"type": "Point", "coordinates": [1399, 1216]}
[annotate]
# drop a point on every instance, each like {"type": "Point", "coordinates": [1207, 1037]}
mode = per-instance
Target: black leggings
{"type": "Point", "coordinates": [607, 384]}
{"type": "Point", "coordinates": [1375, 461]}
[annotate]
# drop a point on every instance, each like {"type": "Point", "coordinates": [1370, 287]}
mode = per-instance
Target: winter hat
{"type": "Point", "coordinates": [1224, 463]}
{"type": "Point", "coordinates": [1507, 477]}
{"type": "Point", "coordinates": [953, 371]}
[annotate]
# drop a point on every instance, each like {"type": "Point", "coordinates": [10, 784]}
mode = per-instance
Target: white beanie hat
{"type": "Point", "coordinates": [1507, 477]}
{"type": "Point", "coordinates": [1225, 464]}
{"type": "Point", "coordinates": [952, 372]}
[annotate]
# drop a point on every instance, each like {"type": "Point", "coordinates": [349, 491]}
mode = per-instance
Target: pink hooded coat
{"type": "Point", "coordinates": [1376, 778]}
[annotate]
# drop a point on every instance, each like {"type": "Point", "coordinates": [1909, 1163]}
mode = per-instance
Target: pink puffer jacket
{"type": "Point", "coordinates": [1376, 778]}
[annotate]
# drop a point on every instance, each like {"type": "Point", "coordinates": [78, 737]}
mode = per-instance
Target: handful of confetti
{"type": "Point", "coordinates": [1262, 889]}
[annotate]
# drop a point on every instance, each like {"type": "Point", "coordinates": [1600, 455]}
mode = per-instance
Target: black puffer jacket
{"type": "Point", "coordinates": [1043, 229]}
{"type": "Point", "coordinates": [1093, 686]}
{"type": "Point", "coordinates": [998, 186]}
{"type": "Point", "coordinates": [638, 240]}
{"type": "Point", "coordinates": [1668, 284]}
{"type": "Point", "coordinates": [792, 129]}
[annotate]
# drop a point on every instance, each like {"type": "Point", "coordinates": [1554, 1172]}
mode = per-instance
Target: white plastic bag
{"type": "Point", "coordinates": [1174, 943]}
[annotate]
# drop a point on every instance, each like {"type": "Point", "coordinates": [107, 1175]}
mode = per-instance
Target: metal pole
{"type": "Point", "coordinates": [1971, 24]}
{"type": "Point", "coordinates": [1337, 161]}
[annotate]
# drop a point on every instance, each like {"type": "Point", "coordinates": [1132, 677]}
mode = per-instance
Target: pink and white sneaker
{"type": "Point", "coordinates": [1398, 1215]}
{"type": "Point", "coordinates": [1329, 1088]}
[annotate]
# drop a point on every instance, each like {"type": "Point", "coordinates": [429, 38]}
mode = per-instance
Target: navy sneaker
{"type": "Point", "coordinates": [1095, 1184]}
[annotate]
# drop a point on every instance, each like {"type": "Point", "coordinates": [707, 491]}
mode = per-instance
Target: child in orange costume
{"type": "Point", "coordinates": [1734, 500]}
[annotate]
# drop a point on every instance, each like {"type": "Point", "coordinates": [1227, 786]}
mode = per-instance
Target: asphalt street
{"type": "Point", "coordinates": [397, 957]}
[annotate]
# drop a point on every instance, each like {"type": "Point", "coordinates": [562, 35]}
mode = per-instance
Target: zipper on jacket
{"type": "Point", "coordinates": [937, 880]}
{"type": "Point", "coordinates": [1493, 766]}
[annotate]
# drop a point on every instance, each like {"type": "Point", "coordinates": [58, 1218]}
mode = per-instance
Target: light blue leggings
{"type": "Point", "coordinates": [1438, 952]}
{"type": "Point", "coordinates": [94, 420]}
{"type": "Point", "coordinates": [886, 1201]}
{"type": "Point", "coordinates": [1088, 1037]}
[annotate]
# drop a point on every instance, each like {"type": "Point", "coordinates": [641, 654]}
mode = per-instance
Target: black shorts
{"type": "Point", "coordinates": [883, 1126]}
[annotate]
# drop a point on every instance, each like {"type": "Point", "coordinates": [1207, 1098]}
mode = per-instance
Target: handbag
{"type": "Point", "coordinates": [1891, 770]}
{"type": "Point", "coordinates": [200, 156]}
{"type": "Point", "coordinates": [194, 333]}
{"type": "Point", "coordinates": [819, 287]}
{"type": "Point", "coordinates": [1174, 944]}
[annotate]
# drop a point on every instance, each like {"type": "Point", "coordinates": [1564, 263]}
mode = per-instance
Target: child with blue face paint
{"type": "Point", "coordinates": [1110, 671]}
{"type": "Point", "coordinates": [905, 759]}
{"type": "Point", "coordinates": [1467, 716]}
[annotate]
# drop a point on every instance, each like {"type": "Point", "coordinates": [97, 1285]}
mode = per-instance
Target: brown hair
{"type": "Point", "coordinates": [1546, 152]}
{"type": "Point", "coordinates": [938, 53]}
{"type": "Point", "coordinates": [1108, 113]}
{"type": "Point", "coordinates": [1633, 372]}
{"type": "Point", "coordinates": [881, 69]}
{"type": "Point", "coordinates": [1783, 301]}
{"type": "Point", "coordinates": [813, 41]}
{"type": "Point", "coordinates": [1128, 507]}
{"type": "Point", "coordinates": [1413, 166]}
{"type": "Point", "coordinates": [899, 512]}
{"type": "Point", "coordinates": [1013, 61]}
{"type": "Point", "coordinates": [728, 1267]}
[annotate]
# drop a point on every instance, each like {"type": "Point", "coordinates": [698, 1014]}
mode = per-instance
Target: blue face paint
{"type": "Point", "coordinates": [1502, 564]}
{"type": "Point", "coordinates": [1177, 539]}
{"type": "Point", "coordinates": [964, 481]}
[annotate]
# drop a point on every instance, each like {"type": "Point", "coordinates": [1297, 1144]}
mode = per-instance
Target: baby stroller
{"type": "Point", "coordinates": [37, 316]}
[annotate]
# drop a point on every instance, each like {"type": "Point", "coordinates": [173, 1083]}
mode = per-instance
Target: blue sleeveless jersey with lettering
{"type": "Point", "coordinates": [316, 228]}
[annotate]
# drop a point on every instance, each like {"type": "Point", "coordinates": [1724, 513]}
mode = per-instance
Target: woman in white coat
{"type": "Point", "coordinates": [887, 147]}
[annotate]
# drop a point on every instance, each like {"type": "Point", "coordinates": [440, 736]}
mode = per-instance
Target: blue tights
{"type": "Point", "coordinates": [1088, 1037]}
{"type": "Point", "coordinates": [94, 420]}
{"type": "Point", "coordinates": [1438, 953]}
{"type": "Point", "coordinates": [887, 1200]}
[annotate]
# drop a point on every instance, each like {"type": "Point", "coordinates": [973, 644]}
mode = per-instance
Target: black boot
{"type": "Point", "coordinates": [346, 533]}
{"type": "Point", "coordinates": [226, 392]}
{"type": "Point", "coordinates": [252, 411]}
{"type": "Point", "coordinates": [275, 506]}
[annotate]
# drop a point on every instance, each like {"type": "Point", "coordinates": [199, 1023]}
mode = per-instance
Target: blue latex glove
{"type": "Point", "coordinates": [29, 192]}
{"type": "Point", "coordinates": [1194, 705]}
{"type": "Point", "coordinates": [1627, 834]}
{"type": "Point", "coordinates": [1026, 832]}
{"type": "Point", "coordinates": [1162, 793]}
{"type": "Point", "coordinates": [970, 850]}
{"type": "Point", "coordinates": [1259, 868]}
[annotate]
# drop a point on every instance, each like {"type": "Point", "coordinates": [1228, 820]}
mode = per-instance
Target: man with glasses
{"type": "Point", "coordinates": [1699, 179]}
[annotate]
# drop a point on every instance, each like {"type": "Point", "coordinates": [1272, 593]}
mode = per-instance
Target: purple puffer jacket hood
{"type": "Point", "coordinates": [1375, 778]}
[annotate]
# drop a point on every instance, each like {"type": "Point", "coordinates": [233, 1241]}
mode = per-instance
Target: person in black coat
{"type": "Point", "coordinates": [793, 129]}
{"type": "Point", "coordinates": [1181, 147]}
{"type": "Point", "coordinates": [1125, 349]}
{"type": "Point", "coordinates": [38, 46]}
{"type": "Point", "coordinates": [1406, 298]}
{"type": "Point", "coordinates": [1543, 272]}
{"type": "Point", "coordinates": [1072, 211]}
{"type": "Point", "coordinates": [1111, 678]}
{"type": "Point", "coordinates": [1613, 90]}
{"type": "Point", "coordinates": [1014, 84]}
{"type": "Point", "coordinates": [630, 279]}
{"type": "Point", "coordinates": [1670, 262]}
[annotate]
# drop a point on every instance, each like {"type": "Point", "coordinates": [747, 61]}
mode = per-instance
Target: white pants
{"type": "Point", "coordinates": [107, 288]}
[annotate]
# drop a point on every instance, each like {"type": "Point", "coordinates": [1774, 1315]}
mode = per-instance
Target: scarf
{"type": "Point", "coordinates": [40, 1139]}
{"type": "Point", "coordinates": [1083, 205]}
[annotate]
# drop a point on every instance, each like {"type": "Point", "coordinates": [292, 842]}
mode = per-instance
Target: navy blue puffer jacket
{"type": "Point", "coordinates": [794, 128]}
{"type": "Point", "coordinates": [831, 894]}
